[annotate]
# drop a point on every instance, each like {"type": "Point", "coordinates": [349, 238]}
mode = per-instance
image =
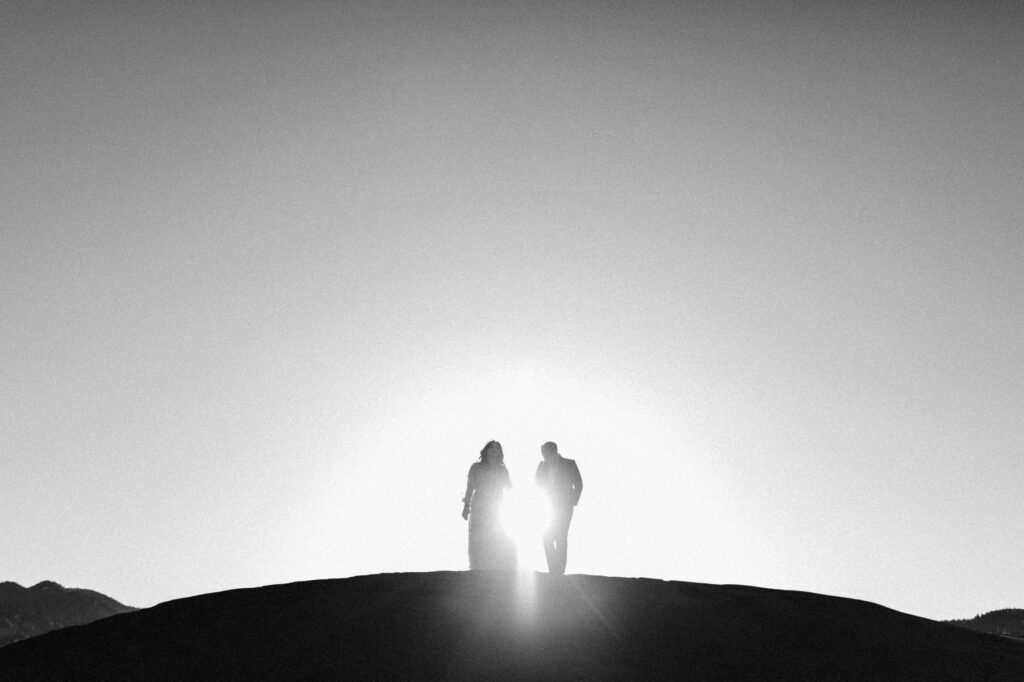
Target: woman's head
{"type": "Point", "coordinates": [492, 453]}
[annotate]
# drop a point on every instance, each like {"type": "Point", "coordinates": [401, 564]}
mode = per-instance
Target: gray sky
{"type": "Point", "coordinates": [271, 275]}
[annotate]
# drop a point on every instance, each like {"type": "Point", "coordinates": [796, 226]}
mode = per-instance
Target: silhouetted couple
{"type": "Point", "coordinates": [489, 545]}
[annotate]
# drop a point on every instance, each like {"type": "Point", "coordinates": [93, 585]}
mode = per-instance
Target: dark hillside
{"type": "Point", "coordinates": [508, 626]}
{"type": "Point", "coordinates": [1006, 622]}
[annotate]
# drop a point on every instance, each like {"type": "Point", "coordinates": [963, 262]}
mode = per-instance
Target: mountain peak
{"type": "Point", "coordinates": [46, 585]}
{"type": "Point", "coordinates": [27, 612]}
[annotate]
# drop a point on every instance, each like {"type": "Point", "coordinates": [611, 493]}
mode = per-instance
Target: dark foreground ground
{"type": "Point", "coordinates": [508, 626]}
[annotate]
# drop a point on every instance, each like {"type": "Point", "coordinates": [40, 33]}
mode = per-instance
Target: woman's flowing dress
{"type": "Point", "coordinates": [490, 547]}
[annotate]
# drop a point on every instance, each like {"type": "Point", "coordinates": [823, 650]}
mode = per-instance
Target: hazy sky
{"type": "Point", "coordinates": [271, 275]}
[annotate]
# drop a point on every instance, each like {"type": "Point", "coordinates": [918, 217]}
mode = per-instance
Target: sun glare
{"type": "Point", "coordinates": [524, 516]}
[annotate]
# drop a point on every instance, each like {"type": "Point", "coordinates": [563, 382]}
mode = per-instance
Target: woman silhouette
{"type": "Point", "coordinates": [490, 548]}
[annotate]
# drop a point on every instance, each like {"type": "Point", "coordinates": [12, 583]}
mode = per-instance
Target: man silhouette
{"type": "Point", "coordinates": [560, 480]}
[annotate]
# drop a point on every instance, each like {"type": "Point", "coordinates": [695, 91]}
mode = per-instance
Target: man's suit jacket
{"type": "Point", "coordinates": [561, 481]}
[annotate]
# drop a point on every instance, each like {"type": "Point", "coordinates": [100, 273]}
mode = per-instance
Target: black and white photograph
{"type": "Point", "coordinates": [511, 340]}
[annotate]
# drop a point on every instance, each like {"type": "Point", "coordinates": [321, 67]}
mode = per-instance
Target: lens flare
{"type": "Point", "coordinates": [524, 517]}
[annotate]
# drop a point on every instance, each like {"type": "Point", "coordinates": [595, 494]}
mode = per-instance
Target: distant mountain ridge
{"type": "Point", "coordinates": [29, 611]}
{"type": "Point", "coordinates": [1005, 622]}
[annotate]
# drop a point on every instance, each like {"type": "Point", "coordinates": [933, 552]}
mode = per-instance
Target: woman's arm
{"type": "Point", "coordinates": [577, 484]}
{"type": "Point", "coordinates": [470, 489]}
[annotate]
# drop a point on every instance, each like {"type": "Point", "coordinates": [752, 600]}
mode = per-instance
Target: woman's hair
{"type": "Point", "coordinates": [501, 452]}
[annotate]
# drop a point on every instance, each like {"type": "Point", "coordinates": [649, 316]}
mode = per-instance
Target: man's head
{"type": "Point", "coordinates": [549, 450]}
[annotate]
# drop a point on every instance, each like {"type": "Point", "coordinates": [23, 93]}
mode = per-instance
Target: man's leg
{"type": "Point", "coordinates": [560, 529]}
{"type": "Point", "coordinates": [548, 541]}
{"type": "Point", "coordinates": [563, 543]}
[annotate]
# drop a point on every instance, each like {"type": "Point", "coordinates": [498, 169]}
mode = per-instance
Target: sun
{"type": "Point", "coordinates": [524, 516]}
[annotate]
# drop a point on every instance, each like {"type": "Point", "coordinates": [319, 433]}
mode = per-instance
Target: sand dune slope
{"type": "Point", "coordinates": [460, 625]}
